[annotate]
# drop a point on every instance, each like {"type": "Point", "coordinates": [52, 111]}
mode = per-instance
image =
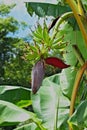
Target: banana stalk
{"type": "Point", "coordinates": [75, 88]}
{"type": "Point", "coordinates": [81, 25]}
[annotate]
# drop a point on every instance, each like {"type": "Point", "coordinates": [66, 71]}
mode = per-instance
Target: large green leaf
{"type": "Point", "coordinates": [10, 114]}
{"type": "Point", "coordinates": [14, 94]}
{"type": "Point", "coordinates": [75, 37]}
{"type": "Point", "coordinates": [79, 117]}
{"type": "Point", "coordinates": [43, 9]}
{"type": "Point", "coordinates": [67, 79]}
{"type": "Point", "coordinates": [81, 44]}
{"type": "Point", "coordinates": [68, 75]}
{"type": "Point", "coordinates": [50, 9]}
{"type": "Point", "coordinates": [49, 104]}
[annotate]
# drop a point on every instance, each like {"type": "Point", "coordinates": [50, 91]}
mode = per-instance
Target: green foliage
{"type": "Point", "coordinates": [11, 114]}
{"type": "Point", "coordinates": [46, 9]}
{"type": "Point", "coordinates": [5, 9]}
{"type": "Point", "coordinates": [49, 104]}
{"type": "Point", "coordinates": [41, 101]}
{"type": "Point", "coordinates": [15, 71]}
{"type": "Point", "coordinates": [79, 117]}
{"type": "Point", "coordinates": [45, 44]}
{"type": "Point", "coordinates": [7, 25]}
{"type": "Point", "coordinates": [52, 102]}
{"type": "Point", "coordinates": [24, 103]}
{"type": "Point", "coordinates": [30, 126]}
{"type": "Point", "coordinates": [11, 51]}
{"type": "Point", "coordinates": [14, 94]}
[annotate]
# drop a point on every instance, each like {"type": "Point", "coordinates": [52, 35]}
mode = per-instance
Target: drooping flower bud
{"type": "Point", "coordinates": [38, 72]}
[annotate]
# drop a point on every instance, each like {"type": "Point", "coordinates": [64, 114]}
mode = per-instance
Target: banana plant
{"type": "Point", "coordinates": [79, 13]}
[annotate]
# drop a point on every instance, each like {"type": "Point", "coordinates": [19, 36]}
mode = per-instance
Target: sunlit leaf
{"type": "Point", "coordinates": [24, 103]}
{"type": "Point", "coordinates": [10, 114]}
{"type": "Point", "coordinates": [67, 78]}
{"type": "Point", "coordinates": [48, 101]}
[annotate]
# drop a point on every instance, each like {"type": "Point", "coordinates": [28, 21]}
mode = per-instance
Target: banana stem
{"type": "Point", "coordinates": [79, 56]}
{"type": "Point", "coordinates": [75, 10]}
{"type": "Point", "coordinates": [59, 21]}
{"type": "Point", "coordinates": [75, 88]}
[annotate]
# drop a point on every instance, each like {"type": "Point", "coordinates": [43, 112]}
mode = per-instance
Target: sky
{"type": "Point", "coordinates": [20, 13]}
{"type": "Point", "coordinates": [19, 10]}
{"type": "Point", "coordinates": [18, 1]}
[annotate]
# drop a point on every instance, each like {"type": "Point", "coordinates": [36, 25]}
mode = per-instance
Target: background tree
{"type": "Point", "coordinates": [12, 66]}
